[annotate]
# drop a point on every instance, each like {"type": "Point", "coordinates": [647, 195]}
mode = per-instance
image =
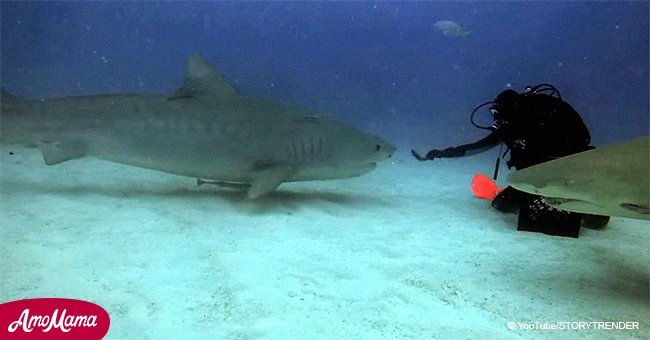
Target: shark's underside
{"type": "Point", "coordinates": [612, 181]}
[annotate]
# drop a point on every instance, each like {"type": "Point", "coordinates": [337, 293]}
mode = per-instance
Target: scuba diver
{"type": "Point", "coordinates": [536, 126]}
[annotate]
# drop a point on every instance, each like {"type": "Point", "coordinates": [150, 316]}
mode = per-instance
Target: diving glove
{"type": "Point", "coordinates": [431, 155]}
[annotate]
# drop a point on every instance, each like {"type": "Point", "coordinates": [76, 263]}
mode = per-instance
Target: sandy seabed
{"type": "Point", "coordinates": [402, 252]}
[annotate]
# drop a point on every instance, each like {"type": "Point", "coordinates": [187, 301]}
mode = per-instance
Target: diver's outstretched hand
{"type": "Point", "coordinates": [418, 156]}
{"type": "Point", "coordinates": [431, 155]}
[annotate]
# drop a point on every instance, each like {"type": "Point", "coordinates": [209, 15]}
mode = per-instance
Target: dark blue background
{"type": "Point", "coordinates": [380, 66]}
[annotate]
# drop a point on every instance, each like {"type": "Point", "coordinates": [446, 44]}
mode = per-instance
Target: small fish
{"type": "Point", "coordinates": [448, 27]}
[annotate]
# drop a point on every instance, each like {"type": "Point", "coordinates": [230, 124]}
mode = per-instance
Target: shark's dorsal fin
{"type": "Point", "coordinates": [204, 81]}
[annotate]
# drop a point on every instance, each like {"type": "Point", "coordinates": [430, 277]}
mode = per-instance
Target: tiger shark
{"type": "Point", "coordinates": [612, 181]}
{"type": "Point", "coordinates": [206, 129]}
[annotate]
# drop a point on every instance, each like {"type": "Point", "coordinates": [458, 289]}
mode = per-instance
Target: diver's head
{"type": "Point", "coordinates": [508, 97]}
{"type": "Point", "coordinates": [504, 105]}
{"type": "Point", "coordinates": [502, 109]}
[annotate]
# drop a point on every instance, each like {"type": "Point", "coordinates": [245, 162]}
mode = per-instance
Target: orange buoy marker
{"type": "Point", "coordinates": [484, 188]}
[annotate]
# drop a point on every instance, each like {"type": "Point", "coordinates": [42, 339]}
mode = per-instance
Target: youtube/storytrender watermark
{"type": "Point", "coordinates": [574, 325]}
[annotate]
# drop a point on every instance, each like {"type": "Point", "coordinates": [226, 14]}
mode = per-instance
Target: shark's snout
{"type": "Point", "coordinates": [384, 150]}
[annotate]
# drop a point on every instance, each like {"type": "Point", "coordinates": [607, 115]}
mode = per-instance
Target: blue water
{"type": "Point", "coordinates": [381, 66]}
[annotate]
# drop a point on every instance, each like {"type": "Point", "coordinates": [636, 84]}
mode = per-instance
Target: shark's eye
{"type": "Point", "coordinates": [377, 147]}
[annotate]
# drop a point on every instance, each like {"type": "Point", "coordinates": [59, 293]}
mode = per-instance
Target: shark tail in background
{"type": "Point", "coordinates": [10, 112]}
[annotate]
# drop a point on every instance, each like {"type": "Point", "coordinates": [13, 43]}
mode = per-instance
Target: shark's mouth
{"type": "Point", "coordinates": [337, 172]}
{"type": "Point", "coordinates": [358, 170]}
{"type": "Point", "coordinates": [370, 166]}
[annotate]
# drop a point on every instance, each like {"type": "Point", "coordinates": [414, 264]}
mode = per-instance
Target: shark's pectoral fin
{"type": "Point", "coordinates": [267, 180]}
{"type": "Point", "coordinates": [54, 153]}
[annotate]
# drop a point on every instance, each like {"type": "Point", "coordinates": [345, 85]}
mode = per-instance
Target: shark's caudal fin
{"type": "Point", "coordinates": [205, 82]}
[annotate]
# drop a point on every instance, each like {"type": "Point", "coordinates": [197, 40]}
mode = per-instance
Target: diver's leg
{"type": "Point", "coordinates": [511, 199]}
{"type": "Point", "coordinates": [540, 217]}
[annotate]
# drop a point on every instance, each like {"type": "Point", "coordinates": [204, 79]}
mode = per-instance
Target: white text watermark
{"type": "Point", "coordinates": [574, 325]}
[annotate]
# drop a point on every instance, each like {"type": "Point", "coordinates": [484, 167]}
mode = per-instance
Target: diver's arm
{"type": "Point", "coordinates": [484, 144]}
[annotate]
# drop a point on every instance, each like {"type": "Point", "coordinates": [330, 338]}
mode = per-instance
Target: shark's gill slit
{"type": "Point", "coordinates": [184, 126]}
{"type": "Point", "coordinates": [320, 146]}
{"type": "Point", "coordinates": [295, 149]}
{"type": "Point", "coordinates": [311, 147]}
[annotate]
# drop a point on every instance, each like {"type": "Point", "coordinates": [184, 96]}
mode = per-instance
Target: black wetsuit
{"type": "Point", "coordinates": [536, 128]}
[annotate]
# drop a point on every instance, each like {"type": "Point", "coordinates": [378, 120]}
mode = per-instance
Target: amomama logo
{"type": "Point", "coordinates": [52, 318]}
